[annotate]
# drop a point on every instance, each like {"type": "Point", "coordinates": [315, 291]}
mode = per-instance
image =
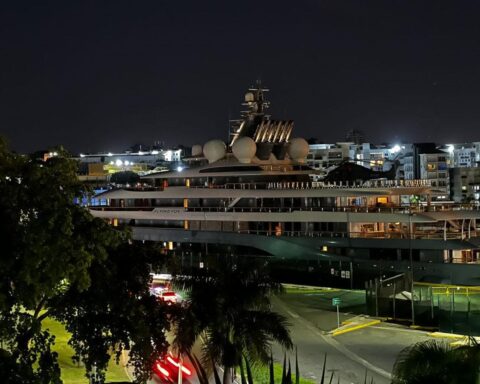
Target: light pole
{"type": "Point", "coordinates": [410, 232]}
{"type": "Point", "coordinates": [180, 366]}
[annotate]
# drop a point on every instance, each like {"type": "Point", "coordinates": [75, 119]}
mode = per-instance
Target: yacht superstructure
{"type": "Point", "coordinates": [255, 196]}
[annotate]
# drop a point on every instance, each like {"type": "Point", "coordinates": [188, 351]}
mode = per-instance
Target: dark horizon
{"type": "Point", "coordinates": [103, 76]}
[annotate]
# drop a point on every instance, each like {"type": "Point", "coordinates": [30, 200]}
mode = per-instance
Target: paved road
{"type": "Point", "coordinates": [381, 344]}
{"type": "Point", "coordinates": [349, 356]}
{"type": "Point", "coordinates": [313, 344]}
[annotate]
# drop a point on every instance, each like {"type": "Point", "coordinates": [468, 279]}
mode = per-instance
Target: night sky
{"type": "Point", "coordinates": [104, 75]}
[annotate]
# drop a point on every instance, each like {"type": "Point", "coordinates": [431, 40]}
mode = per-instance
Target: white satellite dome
{"type": "Point", "coordinates": [214, 150]}
{"type": "Point", "coordinates": [197, 150]}
{"type": "Point", "coordinates": [249, 97]}
{"type": "Point", "coordinates": [298, 149]}
{"type": "Point", "coordinates": [244, 149]}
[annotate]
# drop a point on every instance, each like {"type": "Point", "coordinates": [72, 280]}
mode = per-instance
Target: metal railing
{"type": "Point", "coordinates": [350, 208]}
{"type": "Point", "coordinates": [356, 235]}
{"type": "Point", "coordinates": [437, 235]}
{"type": "Point", "coordinates": [322, 184]}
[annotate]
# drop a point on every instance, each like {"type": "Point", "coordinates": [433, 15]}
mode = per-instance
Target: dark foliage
{"type": "Point", "coordinates": [58, 260]}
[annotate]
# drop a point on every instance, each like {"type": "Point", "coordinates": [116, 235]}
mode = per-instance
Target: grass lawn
{"type": "Point", "coordinates": [261, 374]}
{"type": "Point", "coordinates": [71, 373]}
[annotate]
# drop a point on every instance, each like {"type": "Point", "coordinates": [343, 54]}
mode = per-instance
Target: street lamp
{"type": "Point", "coordinates": [180, 366]}
{"type": "Point", "coordinates": [410, 232]}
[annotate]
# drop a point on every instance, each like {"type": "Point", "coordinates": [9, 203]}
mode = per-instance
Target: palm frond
{"type": "Point", "coordinates": [258, 330]}
{"type": "Point", "coordinates": [215, 374]}
{"type": "Point", "coordinates": [272, 375]}
{"type": "Point", "coordinates": [323, 369]}
{"type": "Point", "coordinates": [199, 369]}
{"type": "Point", "coordinates": [232, 326]}
{"type": "Point", "coordinates": [249, 370]}
{"type": "Point", "coordinates": [289, 373]}
{"type": "Point", "coordinates": [331, 377]}
{"type": "Point", "coordinates": [433, 361]}
{"type": "Point", "coordinates": [242, 373]}
{"type": "Point", "coordinates": [284, 370]}
{"type": "Point", "coordinates": [297, 370]}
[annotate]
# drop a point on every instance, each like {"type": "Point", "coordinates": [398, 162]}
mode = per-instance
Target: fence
{"type": "Point", "coordinates": [454, 309]}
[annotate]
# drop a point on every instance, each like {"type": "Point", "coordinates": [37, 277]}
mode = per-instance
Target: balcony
{"type": "Point", "coordinates": [351, 209]}
{"type": "Point", "coordinates": [323, 185]}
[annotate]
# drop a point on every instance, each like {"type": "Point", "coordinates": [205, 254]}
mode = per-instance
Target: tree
{"type": "Point", "coordinates": [58, 260]}
{"type": "Point", "coordinates": [116, 313]}
{"type": "Point", "coordinates": [434, 362]}
{"type": "Point", "coordinates": [229, 309]}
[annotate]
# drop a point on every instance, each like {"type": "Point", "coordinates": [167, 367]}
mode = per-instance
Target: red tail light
{"type": "Point", "coordinates": [186, 370]}
{"type": "Point", "coordinates": [177, 364]}
{"type": "Point", "coordinates": [162, 370]}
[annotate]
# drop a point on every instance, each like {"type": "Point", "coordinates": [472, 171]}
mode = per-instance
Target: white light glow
{"type": "Point", "coordinates": [82, 155]}
{"type": "Point", "coordinates": [127, 162]}
{"type": "Point", "coordinates": [396, 148]}
{"type": "Point", "coordinates": [154, 152]}
{"type": "Point", "coordinates": [450, 148]}
{"type": "Point", "coordinates": [179, 169]}
{"type": "Point", "coordinates": [118, 162]}
{"type": "Point", "coordinates": [161, 276]}
{"type": "Point", "coordinates": [109, 154]}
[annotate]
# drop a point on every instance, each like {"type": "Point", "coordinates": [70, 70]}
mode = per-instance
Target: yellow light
{"type": "Point", "coordinates": [170, 245]}
{"type": "Point", "coordinates": [278, 230]}
{"type": "Point", "coordinates": [325, 248]}
{"type": "Point", "coordinates": [185, 224]}
{"type": "Point", "coordinates": [115, 222]}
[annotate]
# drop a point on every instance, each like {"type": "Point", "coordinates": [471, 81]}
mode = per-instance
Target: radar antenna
{"type": "Point", "coordinates": [256, 104]}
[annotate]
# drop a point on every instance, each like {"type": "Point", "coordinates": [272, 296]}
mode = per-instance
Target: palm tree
{"type": "Point", "coordinates": [229, 310]}
{"type": "Point", "coordinates": [436, 362]}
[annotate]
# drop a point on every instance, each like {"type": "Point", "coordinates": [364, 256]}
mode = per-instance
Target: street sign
{"type": "Point", "coordinates": [336, 301]}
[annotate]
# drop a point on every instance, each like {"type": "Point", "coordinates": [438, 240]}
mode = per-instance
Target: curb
{"type": "Point", "coordinates": [445, 335]}
{"type": "Point", "coordinates": [339, 331]}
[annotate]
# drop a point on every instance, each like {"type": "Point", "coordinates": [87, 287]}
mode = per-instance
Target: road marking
{"type": "Point", "coordinates": [294, 315]}
{"type": "Point", "coordinates": [339, 347]}
{"type": "Point", "coordinates": [355, 327]}
{"type": "Point", "coordinates": [353, 356]}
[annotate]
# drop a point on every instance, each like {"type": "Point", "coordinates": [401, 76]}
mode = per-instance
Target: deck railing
{"type": "Point", "coordinates": [322, 184]}
{"type": "Point", "coordinates": [357, 235]}
{"type": "Point", "coordinates": [437, 235]}
{"type": "Point", "coordinates": [350, 209]}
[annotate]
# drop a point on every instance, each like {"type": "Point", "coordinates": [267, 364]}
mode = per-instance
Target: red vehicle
{"type": "Point", "coordinates": [167, 369]}
{"type": "Point", "coordinates": [169, 297]}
